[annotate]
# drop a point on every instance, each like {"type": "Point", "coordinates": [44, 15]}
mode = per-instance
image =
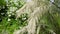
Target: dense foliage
{"type": "Point", "coordinates": [8, 21]}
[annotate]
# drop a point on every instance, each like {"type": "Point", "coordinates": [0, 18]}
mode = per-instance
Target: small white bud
{"type": "Point", "coordinates": [52, 0]}
{"type": "Point", "coordinates": [23, 18]}
{"type": "Point", "coordinates": [9, 15]}
{"type": "Point", "coordinates": [9, 19]}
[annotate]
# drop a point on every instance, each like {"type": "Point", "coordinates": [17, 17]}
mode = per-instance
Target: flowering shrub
{"type": "Point", "coordinates": [8, 21]}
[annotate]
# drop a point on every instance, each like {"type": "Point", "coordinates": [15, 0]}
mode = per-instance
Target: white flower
{"type": "Point", "coordinates": [23, 18]}
{"type": "Point", "coordinates": [13, 8]}
{"type": "Point", "coordinates": [52, 0]}
{"type": "Point", "coordinates": [9, 15]}
{"type": "Point", "coordinates": [9, 19]}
